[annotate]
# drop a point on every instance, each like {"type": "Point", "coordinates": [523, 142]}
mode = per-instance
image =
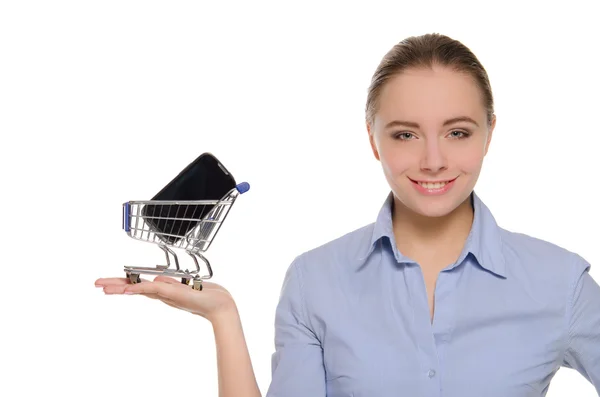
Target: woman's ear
{"type": "Point", "coordinates": [490, 133]}
{"type": "Point", "coordinates": [372, 141]}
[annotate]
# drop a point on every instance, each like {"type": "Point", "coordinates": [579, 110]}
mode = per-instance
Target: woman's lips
{"type": "Point", "coordinates": [433, 188]}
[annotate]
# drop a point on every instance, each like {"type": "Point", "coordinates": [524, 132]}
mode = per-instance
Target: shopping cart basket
{"type": "Point", "coordinates": [185, 225]}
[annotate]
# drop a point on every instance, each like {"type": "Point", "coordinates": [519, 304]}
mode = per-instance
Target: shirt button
{"type": "Point", "coordinates": [431, 373]}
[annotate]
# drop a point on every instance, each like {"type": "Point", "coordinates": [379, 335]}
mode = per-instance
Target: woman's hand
{"type": "Point", "coordinates": [209, 303]}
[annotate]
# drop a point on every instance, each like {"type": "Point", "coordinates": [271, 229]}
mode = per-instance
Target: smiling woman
{"type": "Point", "coordinates": [446, 139]}
{"type": "Point", "coordinates": [431, 296]}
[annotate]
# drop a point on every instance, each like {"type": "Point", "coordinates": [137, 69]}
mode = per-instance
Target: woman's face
{"type": "Point", "coordinates": [414, 138]}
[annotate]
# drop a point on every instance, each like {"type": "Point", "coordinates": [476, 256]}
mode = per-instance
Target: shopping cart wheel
{"type": "Point", "coordinates": [185, 281]}
{"type": "Point", "coordinates": [198, 285]}
{"type": "Point", "coordinates": [133, 278]}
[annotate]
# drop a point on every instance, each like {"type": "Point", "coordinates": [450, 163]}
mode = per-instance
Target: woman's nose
{"type": "Point", "coordinates": [433, 158]}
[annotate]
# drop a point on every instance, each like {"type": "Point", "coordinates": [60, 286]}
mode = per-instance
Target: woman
{"type": "Point", "coordinates": [434, 296]}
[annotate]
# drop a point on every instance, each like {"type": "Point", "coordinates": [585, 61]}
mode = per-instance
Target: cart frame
{"type": "Point", "coordinates": [195, 239]}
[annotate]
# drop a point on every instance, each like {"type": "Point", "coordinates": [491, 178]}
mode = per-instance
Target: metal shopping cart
{"type": "Point", "coordinates": [186, 225]}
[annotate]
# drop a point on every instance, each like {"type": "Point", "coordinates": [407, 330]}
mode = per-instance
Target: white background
{"type": "Point", "coordinates": [102, 102]}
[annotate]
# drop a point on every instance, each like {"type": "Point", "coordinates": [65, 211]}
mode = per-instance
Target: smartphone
{"type": "Point", "coordinates": [206, 178]}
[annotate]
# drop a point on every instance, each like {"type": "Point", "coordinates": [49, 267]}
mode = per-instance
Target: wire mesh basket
{"type": "Point", "coordinates": [190, 226]}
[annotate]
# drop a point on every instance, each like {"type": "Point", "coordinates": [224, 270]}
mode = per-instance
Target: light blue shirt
{"type": "Point", "coordinates": [353, 318]}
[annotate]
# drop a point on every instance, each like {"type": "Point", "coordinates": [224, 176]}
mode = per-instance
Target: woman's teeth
{"type": "Point", "coordinates": [428, 185]}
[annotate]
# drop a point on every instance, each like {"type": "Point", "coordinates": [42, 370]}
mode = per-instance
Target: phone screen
{"type": "Point", "coordinates": [204, 179]}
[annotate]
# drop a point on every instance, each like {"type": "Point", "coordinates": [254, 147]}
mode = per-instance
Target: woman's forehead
{"type": "Point", "coordinates": [426, 96]}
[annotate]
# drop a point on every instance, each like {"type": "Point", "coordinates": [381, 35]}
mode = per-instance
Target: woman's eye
{"type": "Point", "coordinates": [404, 136]}
{"type": "Point", "coordinates": [458, 134]}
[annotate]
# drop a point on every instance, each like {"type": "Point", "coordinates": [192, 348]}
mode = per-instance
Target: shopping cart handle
{"type": "Point", "coordinates": [243, 187]}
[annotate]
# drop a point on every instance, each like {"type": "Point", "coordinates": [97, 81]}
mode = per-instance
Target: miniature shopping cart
{"type": "Point", "coordinates": [185, 225]}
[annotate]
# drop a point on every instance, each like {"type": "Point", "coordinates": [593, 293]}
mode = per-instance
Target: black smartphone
{"type": "Point", "coordinates": [206, 178]}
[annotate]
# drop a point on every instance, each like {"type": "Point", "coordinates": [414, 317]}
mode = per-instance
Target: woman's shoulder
{"type": "Point", "coordinates": [527, 252]}
{"type": "Point", "coordinates": [344, 249]}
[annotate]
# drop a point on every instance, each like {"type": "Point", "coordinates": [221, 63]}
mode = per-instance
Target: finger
{"type": "Point", "coordinates": [114, 289]}
{"type": "Point", "coordinates": [119, 288]}
{"type": "Point", "coordinates": [102, 282]}
{"type": "Point", "coordinates": [163, 290]}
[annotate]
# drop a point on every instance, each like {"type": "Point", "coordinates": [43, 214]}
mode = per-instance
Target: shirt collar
{"type": "Point", "coordinates": [484, 241]}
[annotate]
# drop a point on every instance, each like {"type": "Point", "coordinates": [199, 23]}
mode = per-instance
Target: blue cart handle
{"type": "Point", "coordinates": [243, 187]}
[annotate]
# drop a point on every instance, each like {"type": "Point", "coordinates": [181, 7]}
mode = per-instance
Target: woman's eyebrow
{"type": "Point", "coordinates": [416, 125]}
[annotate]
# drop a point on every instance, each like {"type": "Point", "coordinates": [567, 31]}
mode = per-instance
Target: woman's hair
{"type": "Point", "coordinates": [426, 51]}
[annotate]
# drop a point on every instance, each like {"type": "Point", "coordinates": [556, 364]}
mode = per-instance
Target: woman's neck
{"type": "Point", "coordinates": [435, 242]}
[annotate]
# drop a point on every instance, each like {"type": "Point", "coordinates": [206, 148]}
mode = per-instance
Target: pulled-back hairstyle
{"type": "Point", "coordinates": [427, 51]}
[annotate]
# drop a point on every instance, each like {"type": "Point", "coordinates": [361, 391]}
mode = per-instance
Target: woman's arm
{"type": "Point", "coordinates": [583, 337]}
{"type": "Point", "coordinates": [236, 375]}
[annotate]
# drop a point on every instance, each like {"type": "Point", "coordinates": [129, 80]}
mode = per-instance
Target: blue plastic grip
{"type": "Point", "coordinates": [126, 209]}
{"type": "Point", "coordinates": [243, 187]}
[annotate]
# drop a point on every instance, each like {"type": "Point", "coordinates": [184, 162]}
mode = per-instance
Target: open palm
{"type": "Point", "coordinates": [213, 298]}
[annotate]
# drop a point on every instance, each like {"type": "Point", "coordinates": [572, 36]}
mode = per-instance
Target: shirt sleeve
{"type": "Point", "coordinates": [583, 314]}
{"type": "Point", "coordinates": [297, 364]}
